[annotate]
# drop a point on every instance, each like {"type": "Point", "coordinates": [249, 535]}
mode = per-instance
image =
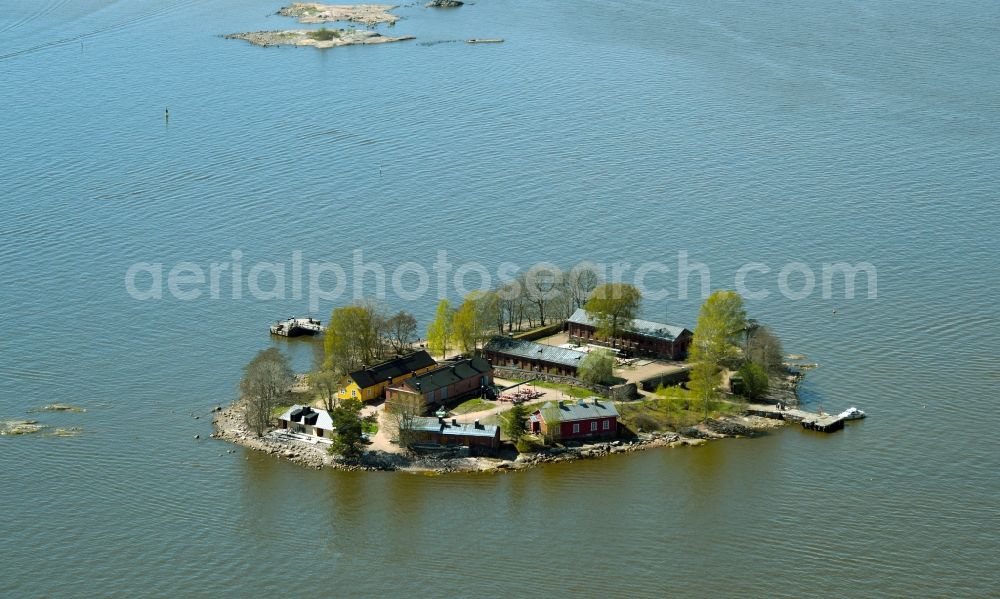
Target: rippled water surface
{"type": "Point", "coordinates": [766, 132]}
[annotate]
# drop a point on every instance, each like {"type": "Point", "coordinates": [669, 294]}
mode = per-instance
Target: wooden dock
{"type": "Point", "coordinates": [824, 423]}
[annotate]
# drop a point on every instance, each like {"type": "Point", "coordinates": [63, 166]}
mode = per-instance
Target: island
{"type": "Point", "coordinates": [366, 14]}
{"type": "Point", "coordinates": [320, 38]}
{"type": "Point", "coordinates": [503, 384]}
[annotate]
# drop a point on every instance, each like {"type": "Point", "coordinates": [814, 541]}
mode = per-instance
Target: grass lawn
{"type": "Point", "coordinates": [369, 427]}
{"type": "Point", "coordinates": [674, 411]}
{"type": "Point", "coordinates": [472, 405]}
{"type": "Point", "coordinates": [570, 390]}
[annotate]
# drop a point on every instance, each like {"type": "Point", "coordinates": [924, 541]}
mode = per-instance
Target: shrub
{"type": "Point", "coordinates": [324, 34]}
{"type": "Point", "coordinates": [528, 444]}
{"type": "Point", "coordinates": [597, 367]}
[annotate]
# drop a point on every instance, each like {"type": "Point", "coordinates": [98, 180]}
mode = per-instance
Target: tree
{"type": "Point", "coordinates": [326, 384]}
{"type": "Point", "coordinates": [673, 399]}
{"type": "Point", "coordinates": [349, 440]}
{"type": "Point", "coordinates": [514, 422]}
{"type": "Point", "coordinates": [542, 284]}
{"type": "Point", "coordinates": [560, 306]}
{"type": "Point", "coordinates": [551, 414]}
{"type": "Point", "coordinates": [508, 296]}
{"type": "Point", "coordinates": [464, 323]}
{"type": "Point", "coordinates": [597, 367]}
{"type": "Point", "coordinates": [402, 412]}
{"type": "Point", "coordinates": [401, 328]}
{"type": "Point", "coordinates": [354, 337]}
{"type": "Point", "coordinates": [266, 381]}
{"type": "Point", "coordinates": [721, 321]}
{"type": "Point", "coordinates": [580, 282]}
{"type": "Point", "coordinates": [755, 381]}
{"type": "Point", "coordinates": [763, 347]}
{"type": "Point", "coordinates": [490, 312]}
{"type": "Point", "coordinates": [440, 333]}
{"type": "Point", "coordinates": [613, 306]}
{"type": "Point", "coordinates": [704, 383]}
{"type": "Point", "coordinates": [472, 321]}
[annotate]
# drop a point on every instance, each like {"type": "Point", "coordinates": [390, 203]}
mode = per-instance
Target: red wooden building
{"type": "Point", "coordinates": [583, 419]}
{"type": "Point", "coordinates": [507, 352]}
{"type": "Point", "coordinates": [479, 439]}
{"type": "Point", "coordinates": [638, 338]}
{"type": "Point", "coordinates": [448, 383]}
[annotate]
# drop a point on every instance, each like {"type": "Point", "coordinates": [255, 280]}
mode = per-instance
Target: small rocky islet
{"type": "Point", "coordinates": [366, 15]}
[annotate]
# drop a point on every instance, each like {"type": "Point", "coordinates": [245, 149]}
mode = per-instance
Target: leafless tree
{"type": "Point", "coordinates": [581, 280]}
{"type": "Point", "coordinates": [326, 384]}
{"type": "Point", "coordinates": [266, 381]}
{"type": "Point", "coordinates": [402, 412]}
{"type": "Point", "coordinates": [542, 284]}
{"type": "Point", "coordinates": [401, 328]}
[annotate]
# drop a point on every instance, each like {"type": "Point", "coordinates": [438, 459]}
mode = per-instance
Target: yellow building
{"type": "Point", "coordinates": [369, 383]}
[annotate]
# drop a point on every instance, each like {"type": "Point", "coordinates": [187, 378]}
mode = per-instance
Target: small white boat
{"type": "Point", "coordinates": [851, 413]}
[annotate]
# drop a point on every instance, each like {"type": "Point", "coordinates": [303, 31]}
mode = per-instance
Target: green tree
{"type": "Point", "coordinates": [515, 422]}
{"type": "Point", "coordinates": [440, 332]}
{"type": "Point", "coordinates": [349, 441]}
{"type": "Point", "coordinates": [354, 337]}
{"type": "Point", "coordinates": [551, 414]}
{"type": "Point", "coordinates": [597, 367]}
{"type": "Point", "coordinates": [721, 322]}
{"type": "Point", "coordinates": [755, 381]}
{"type": "Point", "coordinates": [474, 319]}
{"type": "Point", "coordinates": [673, 400]}
{"type": "Point", "coordinates": [613, 306]}
{"type": "Point", "coordinates": [704, 383]}
{"type": "Point", "coordinates": [465, 324]}
{"type": "Point", "coordinates": [266, 381]}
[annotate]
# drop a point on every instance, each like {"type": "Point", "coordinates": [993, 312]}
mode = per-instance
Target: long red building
{"type": "Point", "coordinates": [638, 338]}
{"type": "Point", "coordinates": [583, 419]}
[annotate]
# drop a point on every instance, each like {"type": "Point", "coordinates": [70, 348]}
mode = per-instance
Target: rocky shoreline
{"type": "Point", "coordinates": [229, 426]}
{"type": "Point", "coordinates": [308, 37]}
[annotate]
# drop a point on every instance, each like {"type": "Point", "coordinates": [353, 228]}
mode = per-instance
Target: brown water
{"type": "Point", "coordinates": [787, 131]}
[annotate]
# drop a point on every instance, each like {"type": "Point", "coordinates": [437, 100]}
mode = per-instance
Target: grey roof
{"type": "Point", "coordinates": [323, 421]}
{"type": "Point", "coordinates": [433, 425]}
{"type": "Point", "coordinates": [448, 374]}
{"type": "Point", "coordinates": [366, 377]}
{"type": "Point", "coordinates": [584, 409]}
{"type": "Point", "coordinates": [646, 328]}
{"type": "Point", "coordinates": [534, 351]}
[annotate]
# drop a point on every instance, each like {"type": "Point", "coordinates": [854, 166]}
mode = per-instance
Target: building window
{"type": "Point", "coordinates": [354, 392]}
{"type": "Point", "coordinates": [593, 426]}
{"type": "Point", "coordinates": [576, 427]}
{"type": "Point", "coordinates": [607, 424]}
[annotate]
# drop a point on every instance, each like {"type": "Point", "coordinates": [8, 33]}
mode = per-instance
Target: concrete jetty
{"type": "Point", "coordinates": [824, 423]}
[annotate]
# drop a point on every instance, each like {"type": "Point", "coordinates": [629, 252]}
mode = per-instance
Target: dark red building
{"type": "Point", "coordinates": [638, 338]}
{"type": "Point", "coordinates": [479, 439]}
{"type": "Point", "coordinates": [507, 352]}
{"type": "Point", "coordinates": [592, 418]}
